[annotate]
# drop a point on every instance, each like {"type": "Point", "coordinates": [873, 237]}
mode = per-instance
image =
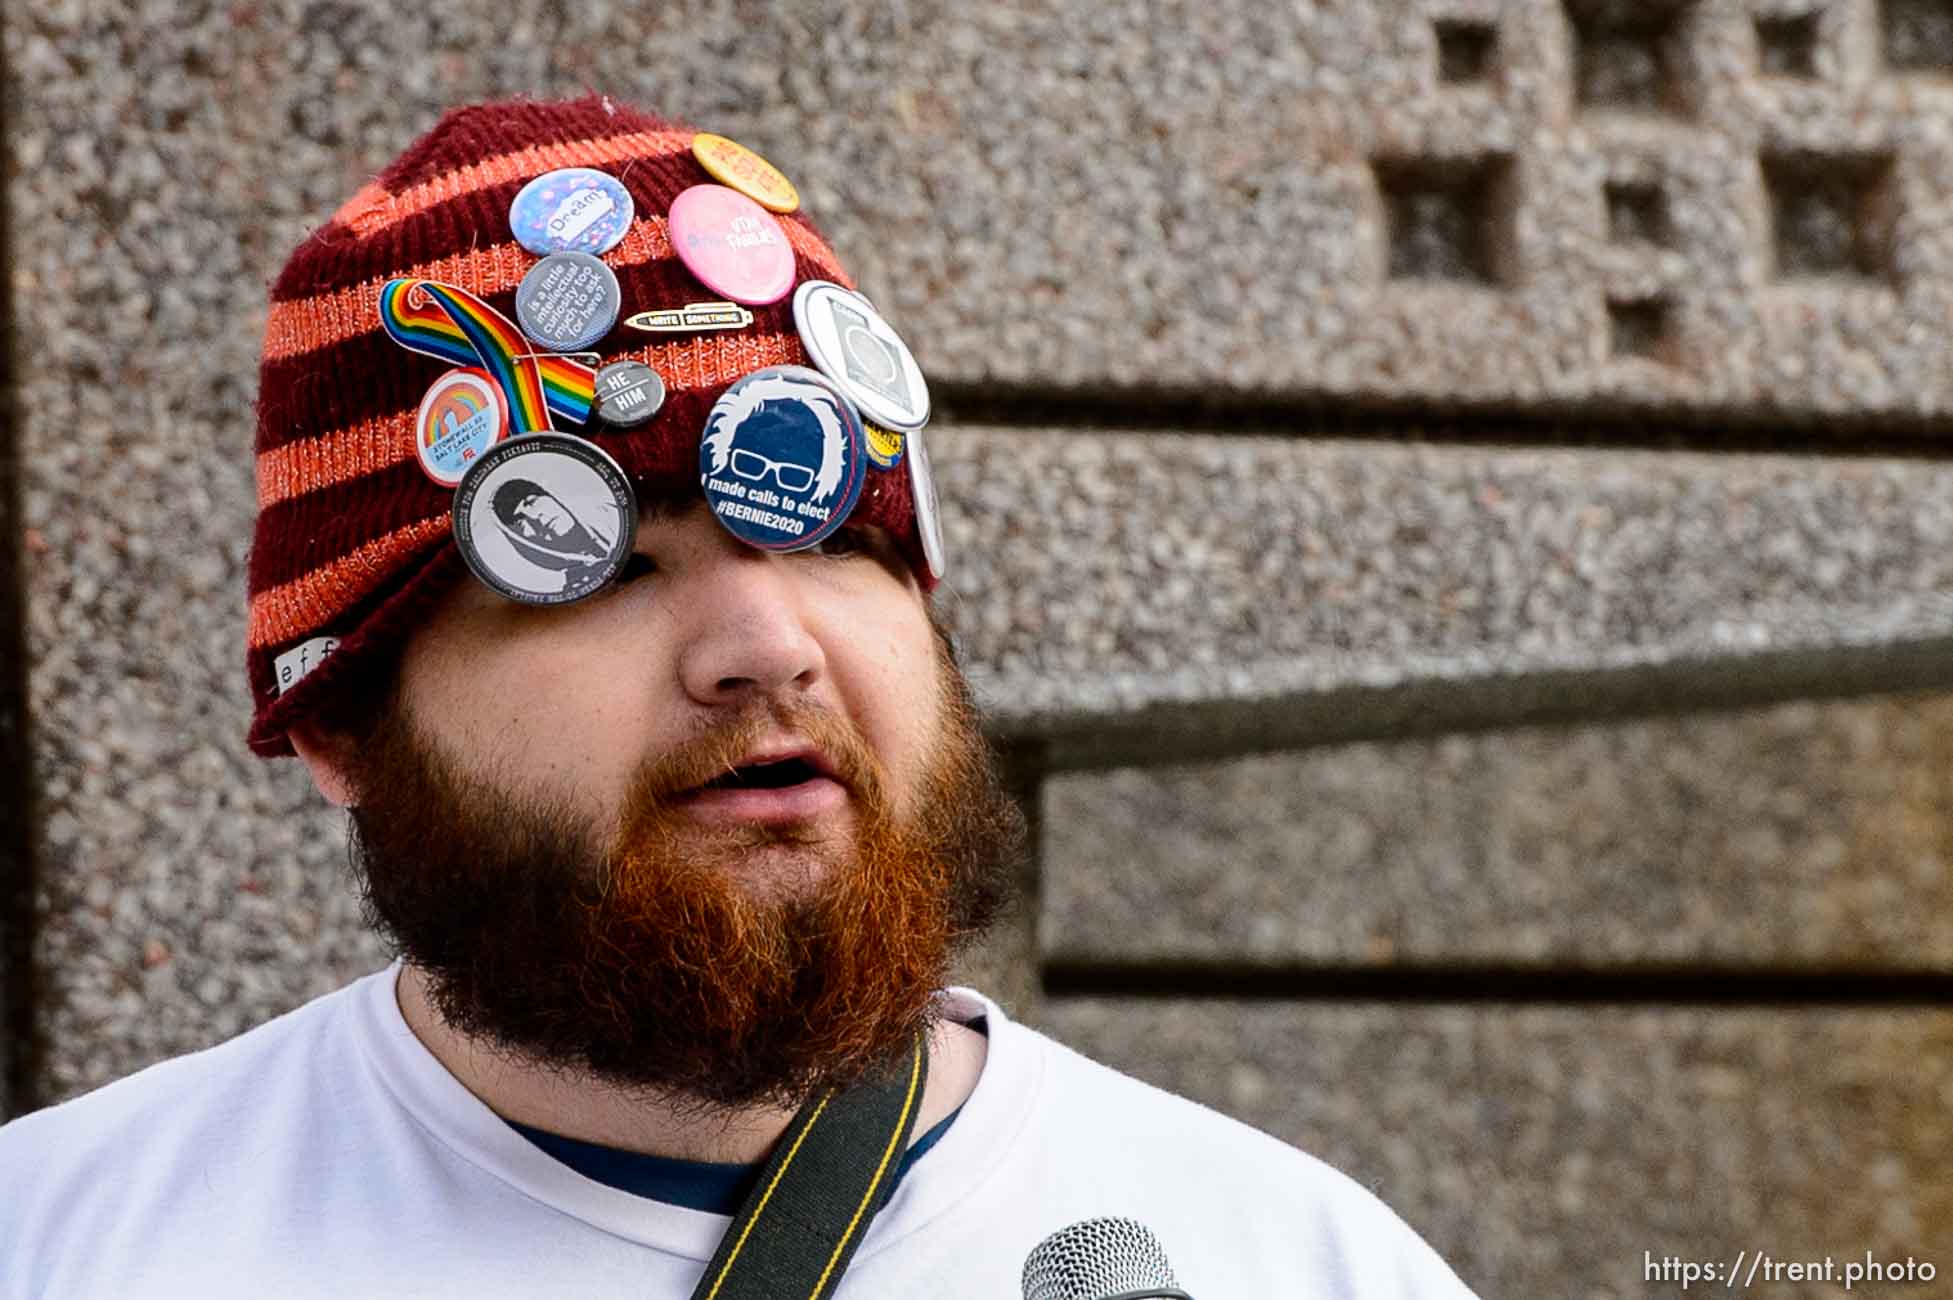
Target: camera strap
{"type": "Point", "coordinates": [827, 1178]}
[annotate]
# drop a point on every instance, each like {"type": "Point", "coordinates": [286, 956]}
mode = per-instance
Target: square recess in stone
{"type": "Point", "coordinates": [1628, 55]}
{"type": "Point", "coordinates": [1636, 213]}
{"type": "Point", "coordinates": [1466, 50]}
{"type": "Point", "coordinates": [1786, 45]}
{"type": "Point", "coordinates": [1918, 35]}
{"type": "Point", "coordinates": [1640, 329]}
{"type": "Point", "coordinates": [1832, 215]}
{"type": "Point", "coordinates": [1448, 218]}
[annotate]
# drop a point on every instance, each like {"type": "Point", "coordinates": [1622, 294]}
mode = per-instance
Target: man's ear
{"type": "Point", "coordinates": [326, 756]}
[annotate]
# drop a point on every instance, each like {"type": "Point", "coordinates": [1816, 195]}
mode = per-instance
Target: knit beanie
{"type": "Point", "coordinates": [353, 542]}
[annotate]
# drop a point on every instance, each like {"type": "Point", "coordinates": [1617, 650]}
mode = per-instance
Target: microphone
{"type": "Point", "coordinates": [1100, 1259]}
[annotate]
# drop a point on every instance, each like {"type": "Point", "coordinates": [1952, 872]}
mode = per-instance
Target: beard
{"type": "Point", "coordinates": [651, 963]}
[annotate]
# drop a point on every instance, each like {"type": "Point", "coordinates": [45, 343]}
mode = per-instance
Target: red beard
{"type": "Point", "coordinates": [652, 966]}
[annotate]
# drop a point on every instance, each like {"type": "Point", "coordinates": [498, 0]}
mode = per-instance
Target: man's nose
{"type": "Point", "coordinates": [744, 632]}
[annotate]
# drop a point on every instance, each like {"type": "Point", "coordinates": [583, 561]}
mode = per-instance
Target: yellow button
{"type": "Point", "coordinates": [884, 445]}
{"type": "Point", "coordinates": [732, 163]}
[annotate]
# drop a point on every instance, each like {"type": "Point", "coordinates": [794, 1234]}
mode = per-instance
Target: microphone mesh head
{"type": "Point", "coordinates": [1094, 1259]}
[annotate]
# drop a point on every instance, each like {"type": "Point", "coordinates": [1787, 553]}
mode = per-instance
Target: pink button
{"type": "Point", "coordinates": [732, 244]}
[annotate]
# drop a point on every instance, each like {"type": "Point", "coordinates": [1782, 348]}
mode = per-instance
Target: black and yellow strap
{"type": "Point", "coordinates": [820, 1189]}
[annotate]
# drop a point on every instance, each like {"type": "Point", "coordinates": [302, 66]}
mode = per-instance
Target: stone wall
{"type": "Point", "coordinates": [1450, 515]}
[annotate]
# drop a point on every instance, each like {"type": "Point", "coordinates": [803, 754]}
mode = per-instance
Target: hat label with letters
{"type": "Point", "coordinates": [292, 666]}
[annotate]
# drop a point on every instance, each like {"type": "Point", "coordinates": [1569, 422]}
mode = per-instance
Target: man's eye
{"type": "Point", "coordinates": [844, 541]}
{"type": "Point", "coordinates": [637, 566]}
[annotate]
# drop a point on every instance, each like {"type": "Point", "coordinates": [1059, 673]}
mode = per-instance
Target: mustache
{"type": "Point", "coordinates": [718, 747]}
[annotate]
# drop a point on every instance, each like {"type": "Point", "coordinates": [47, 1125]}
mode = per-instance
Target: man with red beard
{"type": "Point", "coordinates": [675, 866]}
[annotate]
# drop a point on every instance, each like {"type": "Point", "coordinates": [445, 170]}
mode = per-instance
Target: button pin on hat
{"type": "Point", "coordinates": [782, 461]}
{"type": "Point", "coordinates": [885, 446]}
{"type": "Point", "coordinates": [571, 210]}
{"type": "Point", "coordinates": [850, 343]}
{"type": "Point", "coordinates": [462, 416]}
{"type": "Point", "coordinates": [732, 244]}
{"type": "Point", "coordinates": [545, 519]}
{"type": "Point", "coordinates": [732, 163]}
{"type": "Point", "coordinates": [928, 520]}
{"type": "Point", "coordinates": [691, 318]}
{"type": "Point", "coordinates": [568, 301]}
{"type": "Point", "coordinates": [628, 393]}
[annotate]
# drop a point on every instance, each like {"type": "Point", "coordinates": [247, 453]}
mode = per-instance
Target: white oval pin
{"type": "Point", "coordinates": [850, 343]}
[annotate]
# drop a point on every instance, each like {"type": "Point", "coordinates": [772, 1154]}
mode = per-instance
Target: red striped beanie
{"type": "Point", "coordinates": [353, 541]}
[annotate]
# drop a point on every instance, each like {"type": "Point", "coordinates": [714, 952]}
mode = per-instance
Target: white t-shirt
{"type": "Point", "coordinates": [328, 1153]}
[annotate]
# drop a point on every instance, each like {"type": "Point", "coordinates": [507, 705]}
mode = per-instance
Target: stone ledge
{"type": "Point", "coordinates": [1148, 597]}
{"type": "Point", "coordinates": [1542, 1151]}
{"type": "Point", "coordinates": [1806, 836]}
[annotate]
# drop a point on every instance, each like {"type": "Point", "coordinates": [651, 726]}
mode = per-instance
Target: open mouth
{"type": "Point", "coordinates": [767, 776]}
{"type": "Point", "coordinates": [778, 792]}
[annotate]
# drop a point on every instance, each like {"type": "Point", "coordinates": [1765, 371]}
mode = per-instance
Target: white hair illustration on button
{"type": "Point", "coordinates": [783, 458]}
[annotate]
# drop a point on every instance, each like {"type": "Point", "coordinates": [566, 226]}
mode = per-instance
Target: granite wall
{"type": "Point", "coordinates": [1451, 516]}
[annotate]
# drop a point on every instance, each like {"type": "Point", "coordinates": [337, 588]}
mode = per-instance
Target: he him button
{"type": "Point", "coordinates": [851, 344]}
{"type": "Point", "coordinates": [572, 210]}
{"type": "Point", "coordinates": [782, 461]}
{"type": "Point", "coordinates": [628, 393]}
{"type": "Point", "coordinates": [732, 163]}
{"type": "Point", "coordinates": [568, 301]}
{"type": "Point", "coordinates": [545, 519]}
{"type": "Point", "coordinates": [732, 244]}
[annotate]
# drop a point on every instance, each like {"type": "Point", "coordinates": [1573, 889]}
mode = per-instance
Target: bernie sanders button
{"type": "Point", "coordinates": [782, 460]}
{"type": "Point", "coordinates": [545, 518]}
{"type": "Point", "coordinates": [852, 345]}
{"type": "Point", "coordinates": [573, 210]}
{"type": "Point", "coordinates": [732, 244]}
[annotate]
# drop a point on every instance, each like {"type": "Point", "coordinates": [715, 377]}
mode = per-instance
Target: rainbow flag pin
{"type": "Point", "coordinates": [449, 323]}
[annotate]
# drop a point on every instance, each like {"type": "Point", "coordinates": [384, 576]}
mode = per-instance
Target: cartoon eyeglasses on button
{"type": "Point", "coordinates": [754, 468]}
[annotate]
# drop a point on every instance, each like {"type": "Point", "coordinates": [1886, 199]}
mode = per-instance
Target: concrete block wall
{"type": "Point", "coordinates": [1450, 516]}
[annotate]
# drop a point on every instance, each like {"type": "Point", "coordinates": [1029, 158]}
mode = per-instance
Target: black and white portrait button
{"type": "Point", "coordinates": [545, 518]}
